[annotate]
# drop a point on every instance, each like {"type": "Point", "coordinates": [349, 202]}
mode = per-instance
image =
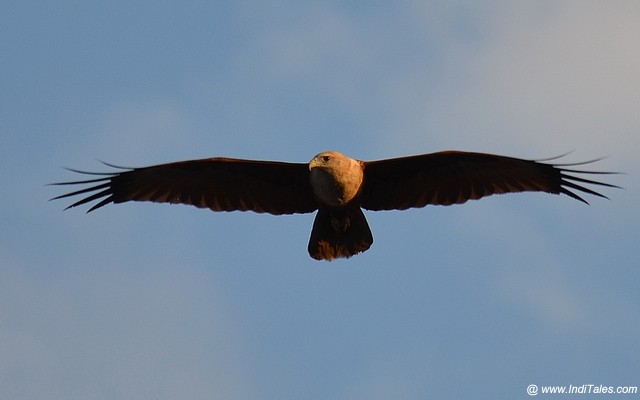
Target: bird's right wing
{"type": "Point", "coordinates": [221, 184]}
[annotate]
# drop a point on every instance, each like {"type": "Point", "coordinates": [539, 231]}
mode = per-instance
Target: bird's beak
{"type": "Point", "coordinates": [313, 163]}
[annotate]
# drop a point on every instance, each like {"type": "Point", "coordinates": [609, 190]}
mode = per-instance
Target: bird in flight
{"type": "Point", "coordinates": [336, 186]}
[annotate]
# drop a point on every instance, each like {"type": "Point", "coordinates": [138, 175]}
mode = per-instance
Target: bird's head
{"type": "Point", "coordinates": [335, 178]}
{"type": "Point", "coordinates": [327, 160]}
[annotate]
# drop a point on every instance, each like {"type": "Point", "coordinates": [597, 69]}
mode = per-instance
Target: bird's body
{"type": "Point", "coordinates": [337, 186]}
{"type": "Point", "coordinates": [340, 228]}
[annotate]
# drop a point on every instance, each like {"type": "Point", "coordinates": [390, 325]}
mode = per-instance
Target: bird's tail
{"type": "Point", "coordinates": [339, 234]}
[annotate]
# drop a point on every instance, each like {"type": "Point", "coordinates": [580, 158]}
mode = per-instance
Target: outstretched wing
{"type": "Point", "coordinates": [221, 184]}
{"type": "Point", "coordinates": [453, 177]}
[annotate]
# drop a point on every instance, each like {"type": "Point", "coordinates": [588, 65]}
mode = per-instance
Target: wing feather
{"type": "Point", "coordinates": [221, 184]}
{"type": "Point", "coordinates": [453, 177]}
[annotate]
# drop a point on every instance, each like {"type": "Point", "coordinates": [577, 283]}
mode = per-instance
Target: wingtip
{"type": "Point", "coordinates": [554, 157]}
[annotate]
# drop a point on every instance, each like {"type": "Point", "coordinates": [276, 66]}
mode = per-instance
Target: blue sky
{"type": "Point", "coordinates": [157, 301]}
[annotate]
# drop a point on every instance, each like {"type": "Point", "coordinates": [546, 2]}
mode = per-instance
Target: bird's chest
{"type": "Point", "coordinates": [331, 190]}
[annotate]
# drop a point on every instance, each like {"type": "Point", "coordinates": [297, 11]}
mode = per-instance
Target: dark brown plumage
{"type": "Point", "coordinates": [335, 185]}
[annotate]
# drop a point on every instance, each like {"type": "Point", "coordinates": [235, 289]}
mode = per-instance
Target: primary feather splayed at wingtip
{"type": "Point", "coordinates": [104, 188]}
{"type": "Point", "coordinates": [568, 180]}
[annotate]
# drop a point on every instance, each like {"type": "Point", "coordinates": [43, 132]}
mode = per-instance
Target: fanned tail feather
{"type": "Point", "coordinates": [339, 234]}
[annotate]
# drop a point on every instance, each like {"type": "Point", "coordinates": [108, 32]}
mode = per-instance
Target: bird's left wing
{"type": "Point", "coordinates": [453, 177]}
{"type": "Point", "coordinates": [221, 184]}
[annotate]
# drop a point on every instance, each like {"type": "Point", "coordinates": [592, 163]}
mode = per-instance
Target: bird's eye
{"type": "Point", "coordinates": [326, 158]}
